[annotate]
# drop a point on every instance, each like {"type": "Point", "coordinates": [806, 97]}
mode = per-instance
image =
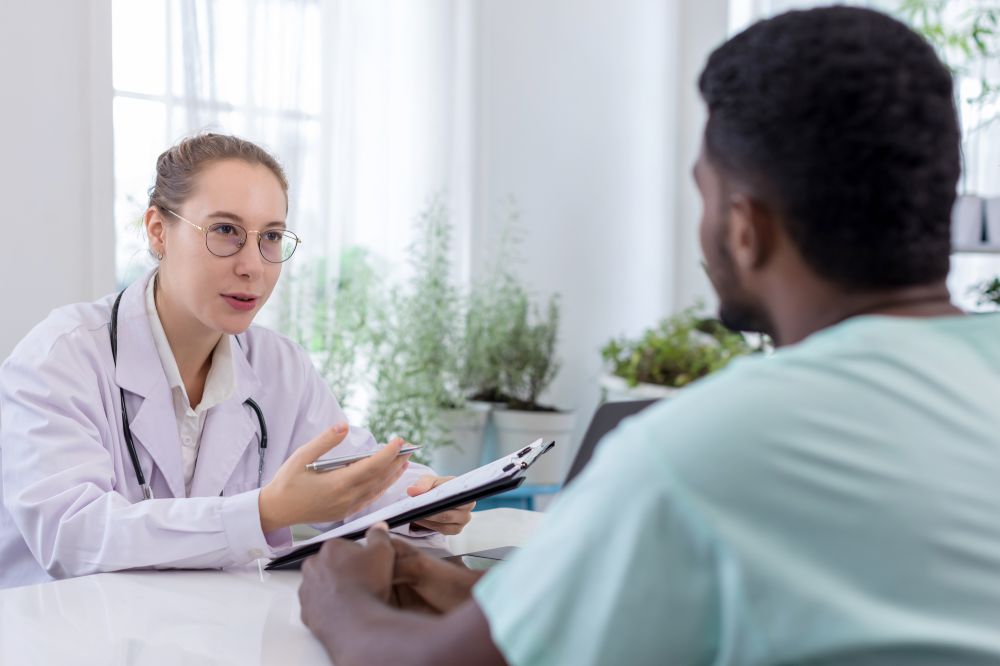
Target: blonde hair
{"type": "Point", "coordinates": [178, 166]}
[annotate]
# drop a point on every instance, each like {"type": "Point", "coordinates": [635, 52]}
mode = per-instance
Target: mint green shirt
{"type": "Point", "coordinates": [837, 502]}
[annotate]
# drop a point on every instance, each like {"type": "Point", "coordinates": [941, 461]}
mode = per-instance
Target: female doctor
{"type": "Point", "coordinates": [157, 428]}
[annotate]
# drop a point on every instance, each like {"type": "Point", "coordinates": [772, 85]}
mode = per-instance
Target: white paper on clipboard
{"type": "Point", "coordinates": [481, 476]}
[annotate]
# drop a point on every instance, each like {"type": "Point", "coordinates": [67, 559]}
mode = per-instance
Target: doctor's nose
{"type": "Point", "coordinates": [249, 262]}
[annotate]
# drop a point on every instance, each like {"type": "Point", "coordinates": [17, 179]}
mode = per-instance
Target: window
{"type": "Point", "coordinates": [366, 104]}
{"type": "Point", "coordinates": [247, 67]}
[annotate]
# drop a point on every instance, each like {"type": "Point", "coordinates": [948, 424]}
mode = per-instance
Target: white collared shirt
{"type": "Point", "coordinates": [219, 386]}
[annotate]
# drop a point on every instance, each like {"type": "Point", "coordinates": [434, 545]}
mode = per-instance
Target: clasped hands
{"type": "Point", "coordinates": [386, 569]}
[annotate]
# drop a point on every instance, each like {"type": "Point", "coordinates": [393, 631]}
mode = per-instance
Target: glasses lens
{"type": "Point", "coordinates": [224, 239]}
{"type": "Point", "coordinates": [277, 246]}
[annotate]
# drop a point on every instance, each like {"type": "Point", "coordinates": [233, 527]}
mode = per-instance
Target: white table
{"type": "Point", "coordinates": [189, 617]}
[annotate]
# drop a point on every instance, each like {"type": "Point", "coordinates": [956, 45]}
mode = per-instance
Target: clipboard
{"type": "Point", "coordinates": [499, 476]}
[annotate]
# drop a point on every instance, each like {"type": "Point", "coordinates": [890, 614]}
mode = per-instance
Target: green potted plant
{"type": "Point", "coordinates": [510, 358]}
{"type": "Point", "coordinates": [988, 294]}
{"type": "Point", "coordinates": [491, 300]}
{"type": "Point", "coordinates": [330, 312]}
{"type": "Point", "coordinates": [528, 366]}
{"type": "Point", "coordinates": [679, 350]}
{"type": "Point", "coordinates": [416, 349]}
{"type": "Point", "coordinates": [343, 330]}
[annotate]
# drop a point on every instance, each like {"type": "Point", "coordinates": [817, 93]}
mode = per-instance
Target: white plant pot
{"type": "Point", "coordinates": [465, 428]}
{"type": "Point", "coordinates": [516, 429]}
{"type": "Point", "coordinates": [616, 389]}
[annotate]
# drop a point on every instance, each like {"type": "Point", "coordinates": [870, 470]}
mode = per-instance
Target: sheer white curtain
{"type": "Point", "coordinates": [400, 90]}
{"type": "Point", "coordinates": [366, 103]}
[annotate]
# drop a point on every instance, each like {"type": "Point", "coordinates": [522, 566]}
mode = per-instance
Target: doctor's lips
{"type": "Point", "coordinates": [240, 301]}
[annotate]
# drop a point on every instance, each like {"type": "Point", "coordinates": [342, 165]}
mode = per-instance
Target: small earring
{"type": "Point", "coordinates": [159, 256]}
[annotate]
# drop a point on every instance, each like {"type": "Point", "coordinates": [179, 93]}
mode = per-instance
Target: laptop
{"type": "Point", "coordinates": [606, 418]}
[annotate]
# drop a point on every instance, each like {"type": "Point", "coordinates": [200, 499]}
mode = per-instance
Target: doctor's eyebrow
{"type": "Point", "coordinates": [226, 215]}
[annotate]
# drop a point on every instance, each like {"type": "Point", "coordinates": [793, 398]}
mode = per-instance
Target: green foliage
{"type": "Point", "coordinates": [509, 344]}
{"type": "Point", "coordinates": [965, 35]}
{"type": "Point", "coordinates": [417, 341]}
{"type": "Point", "coordinates": [681, 349]}
{"type": "Point", "coordinates": [529, 362]}
{"type": "Point", "coordinates": [342, 335]}
{"type": "Point", "coordinates": [491, 310]}
{"type": "Point", "coordinates": [335, 315]}
{"type": "Point", "coordinates": [989, 293]}
{"type": "Point", "coordinates": [423, 347]}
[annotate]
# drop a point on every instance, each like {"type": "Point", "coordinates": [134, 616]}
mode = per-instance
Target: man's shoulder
{"type": "Point", "coordinates": [740, 411]}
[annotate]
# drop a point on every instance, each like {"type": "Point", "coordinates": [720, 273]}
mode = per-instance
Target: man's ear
{"type": "Point", "coordinates": [752, 232]}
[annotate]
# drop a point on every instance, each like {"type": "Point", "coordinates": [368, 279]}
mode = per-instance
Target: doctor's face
{"type": "Point", "coordinates": [221, 294]}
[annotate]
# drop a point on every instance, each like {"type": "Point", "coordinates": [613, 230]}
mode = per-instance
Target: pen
{"type": "Point", "coordinates": [328, 464]}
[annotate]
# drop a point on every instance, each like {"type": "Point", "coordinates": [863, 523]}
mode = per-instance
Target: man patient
{"type": "Point", "coordinates": [837, 502]}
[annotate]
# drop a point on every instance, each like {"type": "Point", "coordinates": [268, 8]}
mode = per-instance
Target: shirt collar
{"type": "Point", "coordinates": [220, 383]}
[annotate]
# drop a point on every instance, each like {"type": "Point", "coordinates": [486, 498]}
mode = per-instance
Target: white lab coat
{"type": "Point", "coordinates": [71, 503]}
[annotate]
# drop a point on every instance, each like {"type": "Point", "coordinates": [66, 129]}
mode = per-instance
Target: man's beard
{"type": "Point", "coordinates": [742, 318]}
{"type": "Point", "coordinates": [737, 310]}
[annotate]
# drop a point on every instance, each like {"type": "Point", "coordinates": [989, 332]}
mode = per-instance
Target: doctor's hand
{"type": "Point", "coordinates": [451, 521]}
{"type": "Point", "coordinates": [298, 495]}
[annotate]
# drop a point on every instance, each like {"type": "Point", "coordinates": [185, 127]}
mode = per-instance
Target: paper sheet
{"type": "Point", "coordinates": [478, 477]}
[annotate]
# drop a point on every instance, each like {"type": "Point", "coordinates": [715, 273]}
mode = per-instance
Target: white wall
{"type": "Point", "coordinates": [589, 116]}
{"type": "Point", "coordinates": [702, 28]}
{"type": "Point", "coordinates": [55, 175]}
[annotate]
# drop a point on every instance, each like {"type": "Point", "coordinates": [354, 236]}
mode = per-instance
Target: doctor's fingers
{"type": "Point", "coordinates": [319, 445]}
{"type": "Point", "coordinates": [378, 464]}
{"type": "Point", "coordinates": [449, 522]}
{"type": "Point", "coordinates": [366, 492]}
{"type": "Point", "coordinates": [425, 483]}
{"type": "Point", "coordinates": [460, 515]}
{"type": "Point", "coordinates": [448, 529]}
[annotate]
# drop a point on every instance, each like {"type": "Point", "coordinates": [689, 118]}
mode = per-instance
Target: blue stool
{"type": "Point", "coordinates": [518, 498]}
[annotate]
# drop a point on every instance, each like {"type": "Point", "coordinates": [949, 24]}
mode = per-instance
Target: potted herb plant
{"type": "Point", "coordinates": [988, 294]}
{"type": "Point", "coordinates": [415, 355]}
{"type": "Point", "coordinates": [679, 350]}
{"type": "Point", "coordinates": [529, 365]}
{"type": "Point", "coordinates": [330, 312]}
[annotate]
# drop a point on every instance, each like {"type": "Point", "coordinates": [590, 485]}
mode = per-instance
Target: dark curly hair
{"type": "Point", "coordinates": [842, 120]}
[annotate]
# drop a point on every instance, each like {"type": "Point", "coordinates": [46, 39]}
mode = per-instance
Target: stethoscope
{"type": "Point", "coordinates": [147, 492]}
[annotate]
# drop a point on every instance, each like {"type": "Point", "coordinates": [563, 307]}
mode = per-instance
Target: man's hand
{"type": "Point", "coordinates": [343, 597]}
{"type": "Point", "coordinates": [451, 521]}
{"type": "Point", "coordinates": [421, 582]}
{"type": "Point", "coordinates": [343, 567]}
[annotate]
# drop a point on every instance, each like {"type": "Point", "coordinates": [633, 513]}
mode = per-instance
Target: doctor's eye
{"type": "Point", "coordinates": [224, 229]}
{"type": "Point", "coordinates": [272, 236]}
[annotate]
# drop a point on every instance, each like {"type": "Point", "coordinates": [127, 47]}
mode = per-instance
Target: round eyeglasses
{"type": "Point", "coordinates": [224, 239]}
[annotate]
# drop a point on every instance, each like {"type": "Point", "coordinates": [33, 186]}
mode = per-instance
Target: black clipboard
{"type": "Point", "coordinates": [294, 558]}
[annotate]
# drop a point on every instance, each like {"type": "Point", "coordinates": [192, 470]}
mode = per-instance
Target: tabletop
{"type": "Point", "coordinates": [235, 616]}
